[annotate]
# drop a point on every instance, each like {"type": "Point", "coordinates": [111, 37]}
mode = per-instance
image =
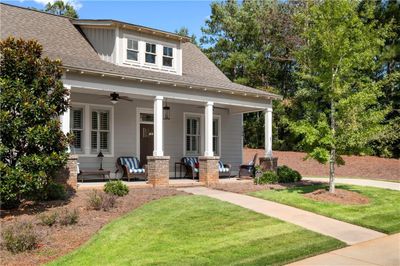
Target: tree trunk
{"type": "Point", "coordinates": [332, 158]}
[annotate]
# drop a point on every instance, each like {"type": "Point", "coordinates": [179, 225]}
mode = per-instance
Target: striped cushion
{"type": "Point", "coordinates": [190, 161]}
{"type": "Point", "coordinates": [222, 168]}
{"type": "Point", "coordinates": [137, 171]}
{"type": "Point", "coordinates": [132, 163]}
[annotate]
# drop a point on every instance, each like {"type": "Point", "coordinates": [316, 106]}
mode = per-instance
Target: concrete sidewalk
{"type": "Point", "coordinates": [348, 233]}
{"type": "Point", "coordinates": [382, 251]}
{"type": "Point", "coordinates": [359, 182]}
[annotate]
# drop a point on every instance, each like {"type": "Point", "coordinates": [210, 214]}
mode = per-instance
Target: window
{"type": "Point", "coordinates": [193, 136]}
{"type": "Point", "coordinates": [132, 50]}
{"type": "Point", "coordinates": [76, 124]}
{"type": "Point", "coordinates": [100, 133]}
{"type": "Point", "coordinates": [146, 117]}
{"type": "Point", "coordinates": [167, 56]}
{"type": "Point", "coordinates": [216, 136]}
{"type": "Point", "coordinates": [150, 53]}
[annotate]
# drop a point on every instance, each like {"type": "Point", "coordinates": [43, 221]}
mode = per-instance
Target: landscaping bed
{"type": "Point", "coordinates": [379, 208]}
{"type": "Point", "coordinates": [197, 230]}
{"type": "Point", "coordinates": [57, 240]}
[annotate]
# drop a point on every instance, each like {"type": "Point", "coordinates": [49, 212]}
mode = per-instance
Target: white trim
{"type": "Point", "coordinates": [268, 132]}
{"type": "Point", "coordinates": [140, 110]}
{"type": "Point", "coordinates": [87, 107]}
{"type": "Point", "coordinates": [208, 129]}
{"type": "Point", "coordinates": [158, 126]}
{"type": "Point", "coordinates": [201, 116]}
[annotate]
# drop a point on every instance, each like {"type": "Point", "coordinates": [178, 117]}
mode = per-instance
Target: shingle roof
{"type": "Point", "coordinates": [61, 39]}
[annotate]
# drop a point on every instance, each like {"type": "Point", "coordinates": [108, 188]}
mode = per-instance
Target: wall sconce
{"type": "Point", "coordinates": [166, 111]}
{"type": "Point", "coordinates": [101, 156]}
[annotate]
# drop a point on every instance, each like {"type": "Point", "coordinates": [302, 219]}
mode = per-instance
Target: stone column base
{"type": "Point", "coordinates": [208, 170]}
{"type": "Point", "coordinates": [68, 175]}
{"type": "Point", "coordinates": [268, 164]}
{"type": "Point", "coordinates": [158, 171]}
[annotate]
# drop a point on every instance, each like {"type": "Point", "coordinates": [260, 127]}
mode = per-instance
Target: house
{"type": "Point", "coordinates": [140, 91]}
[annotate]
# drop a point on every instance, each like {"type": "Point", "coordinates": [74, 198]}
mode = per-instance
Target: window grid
{"type": "Point", "coordinates": [167, 56]}
{"type": "Point", "coordinates": [76, 127]}
{"type": "Point", "coordinates": [100, 134]}
{"type": "Point", "coordinates": [151, 53]}
{"type": "Point", "coordinates": [193, 136]}
{"type": "Point", "coordinates": [132, 51]}
{"type": "Point", "coordinates": [216, 136]}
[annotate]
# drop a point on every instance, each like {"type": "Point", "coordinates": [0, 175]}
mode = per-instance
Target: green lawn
{"type": "Point", "coordinates": [196, 230]}
{"type": "Point", "coordinates": [381, 214]}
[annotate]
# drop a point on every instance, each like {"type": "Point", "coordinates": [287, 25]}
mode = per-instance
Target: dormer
{"type": "Point", "coordinates": [134, 46]}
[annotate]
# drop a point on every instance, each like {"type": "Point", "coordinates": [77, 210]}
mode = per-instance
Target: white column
{"type": "Point", "coordinates": [158, 126]}
{"type": "Point", "coordinates": [268, 132]}
{"type": "Point", "coordinates": [65, 117]}
{"type": "Point", "coordinates": [208, 121]}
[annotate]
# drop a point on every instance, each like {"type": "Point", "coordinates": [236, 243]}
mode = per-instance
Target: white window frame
{"type": "Point", "coordinates": [127, 39]}
{"type": "Point", "coordinates": [217, 152]}
{"type": "Point", "coordinates": [150, 53]}
{"type": "Point", "coordinates": [198, 135]}
{"type": "Point", "coordinates": [167, 56]}
{"type": "Point", "coordinates": [87, 128]}
{"type": "Point", "coordinates": [202, 132]}
{"type": "Point", "coordinates": [98, 130]}
{"type": "Point", "coordinates": [72, 129]}
{"type": "Point", "coordinates": [141, 110]}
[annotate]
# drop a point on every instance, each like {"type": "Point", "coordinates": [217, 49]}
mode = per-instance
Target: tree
{"type": "Point", "coordinates": [33, 147]}
{"type": "Point", "coordinates": [61, 8]}
{"type": "Point", "coordinates": [183, 31]}
{"type": "Point", "coordinates": [337, 96]}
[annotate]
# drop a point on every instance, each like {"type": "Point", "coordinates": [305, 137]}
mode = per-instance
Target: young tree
{"type": "Point", "coordinates": [33, 147]}
{"type": "Point", "coordinates": [61, 8]}
{"type": "Point", "coordinates": [339, 100]}
{"type": "Point", "coordinates": [183, 31]}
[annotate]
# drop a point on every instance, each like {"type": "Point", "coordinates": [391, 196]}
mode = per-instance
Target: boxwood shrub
{"type": "Point", "coordinates": [287, 175]}
{"type": "Point", "coordinates": [268, 177]}
{"type": "Point", "coordinates": [116, 188]}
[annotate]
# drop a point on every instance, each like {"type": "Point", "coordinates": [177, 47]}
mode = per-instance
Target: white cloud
{"type": "Point", "coordinates": [75, 3]}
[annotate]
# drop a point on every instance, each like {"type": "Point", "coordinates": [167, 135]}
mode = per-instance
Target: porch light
{"type": "Point", "coordinates": [166, 111]}
{"type": "Point", "coordinates": [101, 156]}
{"type": "Point", "coordinates": [114, 97]}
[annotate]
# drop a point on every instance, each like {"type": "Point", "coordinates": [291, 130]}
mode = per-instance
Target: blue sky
{"type": "Point", "coordinates": [163, 15]}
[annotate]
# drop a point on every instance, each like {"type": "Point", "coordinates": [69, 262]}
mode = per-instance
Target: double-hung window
{"type": "Point", "coordinates": [132, 50]}
{"type": "Point", "coordinates": [100, 131]}
{"type": "Point", "coordinates": [192, 136]}
{"type": "Point", "coordinates": [216, 133]}
{"type": "Point", "coordinates": [76, 118]}
{"type": "Point", "coordinates": [167, 56]}
{"type": "Point", "coordinates": [150, 53]}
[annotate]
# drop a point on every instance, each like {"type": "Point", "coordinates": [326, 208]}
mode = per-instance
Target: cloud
{"type": "Point", "coordinates": [75, 3]}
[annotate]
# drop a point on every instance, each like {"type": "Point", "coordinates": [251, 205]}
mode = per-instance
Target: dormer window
{"type": "Point", "coordinates": [132, 50]}
{"type": "Point", "coordinates": [150, 53]}
{"type": "Point", "coordinates": [167, 56]}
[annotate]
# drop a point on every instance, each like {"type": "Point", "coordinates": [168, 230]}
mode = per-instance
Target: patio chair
{"type": "Point", "coordinates": [248, 169]}
{"type": "Point", "coordinates": [132, 168]}
{"type": "Point", "coordinates": [224, 169]}
{"type": "Point", "coordinates": [192, 166]}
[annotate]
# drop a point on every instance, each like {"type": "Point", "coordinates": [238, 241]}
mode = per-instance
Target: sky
{"type": "Point", "coordinates": [163, 15]}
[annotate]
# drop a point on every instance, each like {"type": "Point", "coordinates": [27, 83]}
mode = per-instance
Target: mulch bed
{"type": "Point", "coordinates": [370, 167]}
{"type": "Point", "coordinates": [341, 196]}
{"type": "Point", "coordinates": [59, 240]}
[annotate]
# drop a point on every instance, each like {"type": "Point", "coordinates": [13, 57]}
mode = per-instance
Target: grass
{"type": "Point", "coordinates": [196, 230]}
{"type": "Point", "coordinates": [382, 213]}
{"type": "Point", "coordinates": [357, 177]}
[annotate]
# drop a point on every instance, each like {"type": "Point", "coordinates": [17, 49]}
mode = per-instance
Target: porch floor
{"type": "Point", "coordinates": [184, 182]}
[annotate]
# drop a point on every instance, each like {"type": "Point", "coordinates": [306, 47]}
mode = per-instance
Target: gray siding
{"type": "Point", "coordinates": [125, 132]}
{"type": "Point", "coordinates": [103, 41]}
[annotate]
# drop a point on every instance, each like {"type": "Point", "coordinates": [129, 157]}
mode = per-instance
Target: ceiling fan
{"type": "Point", "coordinates": [115, 97]}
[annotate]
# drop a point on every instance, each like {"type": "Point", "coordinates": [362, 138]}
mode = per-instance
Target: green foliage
{"type": "Point", "coordinates": [55, 191]}
{"type": "Point", "coordinates": [61, 8]}
{"type": "Point", "coordinates": [48, 219]}
{"type": "Point", "coordinates": [101, 201]}
{"type": "Point", "coordinates": [268, 177]}
{"type": "Point", "coordinates": [33, 148]}
{"type": "Point", "coordinates": [116, 188]}
{"type": "Point", "coordinates": [69, 217]}
{"type": "Point", "coordinates": [184, 31]}
{"type": "Point", "coordinates": [287, 175]}
{"type": "Point", "coordinates": [19, 237]}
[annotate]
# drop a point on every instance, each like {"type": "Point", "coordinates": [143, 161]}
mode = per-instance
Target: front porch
{"type": "Point", "coordinates": [159, 126]}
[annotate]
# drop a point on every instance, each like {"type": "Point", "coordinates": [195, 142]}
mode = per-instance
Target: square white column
{"type": "Point", "coordinates": [158, 126]}
{"type": "Point", "coordinates": [208, 137]}
{"type": "Point", "coordinates": [268, 132]}
{"type": "Point", "coordinates": [65, 117]}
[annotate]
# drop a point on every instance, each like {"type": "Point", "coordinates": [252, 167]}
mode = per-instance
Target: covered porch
{"type": "Point", "coordinates": [159, 125]}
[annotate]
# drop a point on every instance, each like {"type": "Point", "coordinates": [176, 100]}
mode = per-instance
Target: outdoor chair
{"type": "Point", "coordinates": [192, 166]}
{"type": "Point", "coordinates": [248, 169]}
{"type": "Point", "coordinates": [224, 169]}
{"type": "Point", "coordinates": [132, 168]}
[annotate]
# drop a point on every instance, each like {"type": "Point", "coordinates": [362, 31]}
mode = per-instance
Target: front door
{"type": "Point", "coordinates": [146, 141]}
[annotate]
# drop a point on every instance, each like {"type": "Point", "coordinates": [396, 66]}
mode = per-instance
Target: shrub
{"type": "Point", "coordinates": [48, 219]}
{"type": "Point", "coordinates": [101, 201]}
{"type": "Point", "coordinates": [287, 175]}
{"type": "Point", "coordinates": [108, 201]}
{"type": "Point", "coordinates": [19, 237]}
{"type": "Point", "coordinates": [95, 200]}
{"type": "Point", "coordinates": [268, 177]}
{"type": "Point", "coordinates": [69, 217]}
{"type": "Point", "coordinates": [116, 188]}
{"type": "Point", "coordinates": [55, 191]}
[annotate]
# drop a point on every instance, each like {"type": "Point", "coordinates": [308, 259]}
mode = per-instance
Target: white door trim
{"type": "Point", "coordinates": [140, 110]}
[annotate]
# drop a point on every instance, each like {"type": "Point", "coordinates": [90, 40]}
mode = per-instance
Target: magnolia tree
{"type": "Point", "coordinates": [33, 147]}
{"type": "Point", "coordinates": [339, 99]}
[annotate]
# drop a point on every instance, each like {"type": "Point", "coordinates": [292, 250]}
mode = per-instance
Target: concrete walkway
{"type": "Point", "coordinates": [382, 251]}
{"type": "Point", "coordinates": [359, 182]}
{"type": "Point", "coordinates": [348, 233]}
